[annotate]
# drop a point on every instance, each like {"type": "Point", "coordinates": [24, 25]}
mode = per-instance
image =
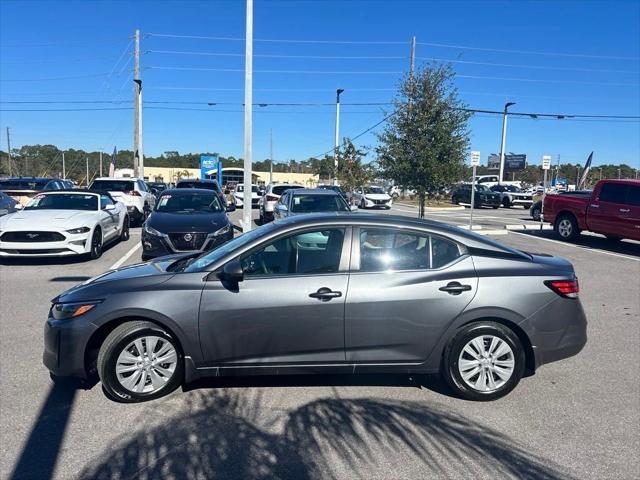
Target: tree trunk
{"type": "Point", "coordinates": [421, 207]}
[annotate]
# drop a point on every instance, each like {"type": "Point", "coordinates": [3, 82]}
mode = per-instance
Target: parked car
{"type": "Point", "coordinates": [372, 197]}
{"type": "Point", "coordinates": [185, 220]}
{"type": "Point", "coordinates": [207, 184]}
{"type": "Point", "coordinates": [271, 196]}
{"type": "Point", "coordinates": [510, 196]}
{"type": "Point", "coordinates": [395, 191]}
{"type": "Point", "coordinates": [337, 189]}
{"type": "Point", "coordinates": [309, 200]}
{"type": "Point", "coordinates": [23, 189]}
{"type": "Point", "coordinates": [483, 196]}
{"type": "Point", "coordinates": [61, 223]}
{"type": "Point", "coordinates": [491, 180]}
{"type": "Point", "coordinates": [612, 209]}
{"type": "Point", "coordinates": [157, 187]}
{"type": "Point", "coordinates": [132, 192]}
{"type": "Point", "coordinates": [238, 195]}
{"type": "Point", "coordinates": [8, 204]}
{"type": "Point", "coordinates": [380, 294]}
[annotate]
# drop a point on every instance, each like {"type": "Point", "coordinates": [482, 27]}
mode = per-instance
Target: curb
{"type": "Point", "coordinates": [545, 226]}
{"type": "Point", "coordinates": [431, 209]}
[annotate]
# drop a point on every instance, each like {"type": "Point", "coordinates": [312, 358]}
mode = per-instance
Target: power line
{"type": "Point", "coordinates": [93, 75]}
{"type": "Point", "coordinates": [526, 52]}
{"type": "Point", "coordinates": [61, 62]}
{"type": "Point", "coordinates": [539, 80]}
{"type": "Point", "coordinates": [241, 70]}
{"type": "Point", "coordinates": [271, 89]}
{"type": "Point", "coordinates": [210, 103]}
{"type": "Point", "coordinates": [272, 40]}
{"type": "Point", "coordinates": [330, 57]}
{"type": "Point", "coordinates": [55, 44]}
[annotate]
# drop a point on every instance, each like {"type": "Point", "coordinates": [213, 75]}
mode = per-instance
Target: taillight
{"type": "Point", "coordinates": [564, 288]}
{"type": "Point", "coordinates": [272, 198]}
{"type": "Point", "coordinates": [133, 193]}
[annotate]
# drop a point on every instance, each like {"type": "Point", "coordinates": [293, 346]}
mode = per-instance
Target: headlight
{"type": "Point", "coordinates": [75, 231]}
{"type": "Point", "coordinates": [223, 230]}
{"type": "Point", "coordinates": [151, 231]}
{"type": "Point", "coordinates": [63, 311]}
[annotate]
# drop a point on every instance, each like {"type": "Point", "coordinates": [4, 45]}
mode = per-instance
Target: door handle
{"type": "Point", "coordinates": [325, 294]}
{"type": "Point", "coordinates": [455, 288]}
{"type": "Point", "coordinates": [593, 205]}
{"type": "Point", "coordinates": [624, 210]}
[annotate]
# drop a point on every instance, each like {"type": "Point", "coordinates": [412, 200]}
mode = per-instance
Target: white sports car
{"type": "Point", "coordinates": [62, 223]}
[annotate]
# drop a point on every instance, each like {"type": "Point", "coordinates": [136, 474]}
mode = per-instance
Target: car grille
{"type": "Point", "coordinates": [379, 202]}
{"type": "Point", "coordinates": [35, 251]}
{"type": "Point", "coordinates": [194, 241]}
{"type": "Point", "coordinates": [31, 237]}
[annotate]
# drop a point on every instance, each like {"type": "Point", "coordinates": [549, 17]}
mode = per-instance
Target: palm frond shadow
{"type": "Point", "coordinates": [219, 436]}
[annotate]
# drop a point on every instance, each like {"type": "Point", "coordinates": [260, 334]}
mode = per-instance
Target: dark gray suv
{"type": "Point", "coordinates": [318, 293]}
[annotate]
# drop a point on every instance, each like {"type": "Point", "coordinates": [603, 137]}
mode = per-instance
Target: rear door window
{"type": "Point", "coordinates": [613, 192]}
{"type": "Point", "coordinates": [633, 196]}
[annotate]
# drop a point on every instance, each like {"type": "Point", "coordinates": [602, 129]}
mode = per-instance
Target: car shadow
{"type": "Point", "coordinates": [623, 247]}
{"type": "Point", "coordinates": [224, 433]}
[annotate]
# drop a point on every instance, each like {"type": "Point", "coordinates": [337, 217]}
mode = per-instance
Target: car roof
{"type": "Point", "coordinates": [125, 179]}
{"type": "Point", "coordinates": [203, 180]}
{"type": "Point", "coordinates": [315, 191]}
{"type": "Point", "coordinates": [184, 191]}
{"type": "Point", "coordinates": [466, 237]}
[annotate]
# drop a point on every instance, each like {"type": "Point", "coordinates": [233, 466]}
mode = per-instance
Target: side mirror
{"type": "Point", "coordinates": [231, 207]}
{"type": "Point", "coordinates": [353, 208]}
{"type": "Point", "coordinates": [18, 206]}
{"type": "Point", "coordinates": [282, 207]}
{"type": "Point", "coordinates": [232, 272]}
{"type": "Point", "coordinates": [110, 206]}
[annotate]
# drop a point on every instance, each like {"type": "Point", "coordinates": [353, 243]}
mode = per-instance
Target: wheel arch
{"type": "Point", "coordinates": [568, 213]}
{"type": "Point", "coordinates": [99, 335]}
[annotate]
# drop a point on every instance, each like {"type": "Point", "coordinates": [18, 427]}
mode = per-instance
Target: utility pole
{"type": "Point", "coordinates": [271, 155]}
{"type": "Point", "coordinates": [100, 162]}
{"type": "Point", "coordinates": [619, 173]}
{"type": "Point", "coordinates": [248, 103]}
{"type": "Point", "coordinates": [337, 139]}
{"type": "Point", "coordinates": [87, 162]}
{"type": "Point", "coordinates": [504, 138]}
{"type": "Point", "coordinates": [413, 55]}
{"type": "Point", "coordinates": [64, 168]}
{"type": "Point", "coordinates": [138, 159]}
{"type": "Point", "coordinates": [9, 150]}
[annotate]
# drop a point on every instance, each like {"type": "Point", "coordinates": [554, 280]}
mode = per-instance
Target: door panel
{"type": "Point", "coordinates": [399, 317]}
{"type": "Point", "coordinates": [273, 321]}
{"type": "Point", "coordinates": [606, 211]}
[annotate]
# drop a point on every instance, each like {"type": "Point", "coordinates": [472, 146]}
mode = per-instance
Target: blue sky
{"type": "Point", "coordinates": [590, 65]}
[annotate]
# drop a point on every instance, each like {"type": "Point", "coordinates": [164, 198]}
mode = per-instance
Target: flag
{"type": "Point", "coordinates": [112, 164]}
{"type": "Point", "coordinates": [585, 172]}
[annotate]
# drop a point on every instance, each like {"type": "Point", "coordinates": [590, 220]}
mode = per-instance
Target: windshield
{"type": "Point", "coordinates": [196, 184]}
{"type": "Point", "coordinates": [318, 203]}
{"type": "Point", "coordinates": [204, 260]}
{"type": "Point", "coordinates": [23, 184]}
{"type": "Point", "coordinates": [482, 188]}
{"type": "Point", "coordinates": [254, 188]}
{"type": "Point", "coordinates": [189, 203]}
{"type": "Point", "coordinates": [373, 190]}
{"type": "Point", "coordinates": [63, 201]}
{"type": "Point", "coordinates": [280, 189]}
{"type": "Point", "coordinates": [112, 185]}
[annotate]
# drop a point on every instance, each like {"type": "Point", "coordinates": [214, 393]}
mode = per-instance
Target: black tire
{"type": "Point", "coordinates": [535, 214]}
{"type": "Point", "coordinates": [96, 244]}
{"type": "Point", "coordinates": [125, 234]}
{"type": "Point", "coordinates": [566, 227]}
{"type": "Point", "coordinates": [506, 203]}
{"type": "Point", "coordinates": [455, 201]}
{"type": "Point", "coordinates": [115, 343]}
{"type": "Point", "coordinates": [450, 370]}
{"type": "Point", "coordinates": [495, 207]}
{"type": "Point", "coordinates": [527, 206]}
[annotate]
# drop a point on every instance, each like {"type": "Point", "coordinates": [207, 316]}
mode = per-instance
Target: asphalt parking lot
{"type": "Point", "coordinates": [579, 418]}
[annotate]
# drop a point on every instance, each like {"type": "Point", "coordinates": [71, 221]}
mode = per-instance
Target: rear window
{"type": "Point", "coordinates": [112, 186]}
{"type": "Point", "coordinates": [196, 184]}
{"type": "Point", "coordinates": [24, 184]}
{"type": "Point", "coordinates": [280, 189]}
{"type": "Point", "coordinates": [318, 203]}
{"type": "Point", "coordinates": [613, 192]}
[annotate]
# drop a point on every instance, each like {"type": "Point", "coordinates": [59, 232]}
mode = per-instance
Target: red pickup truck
{"type": "Point", "coordinates": [612, 209]}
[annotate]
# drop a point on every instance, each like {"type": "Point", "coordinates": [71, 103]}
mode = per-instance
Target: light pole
{"type": "Point", "coordinates": [600, 173]}
{"type": "Point", "coordinates": [504, 138]}
{"type": "Point", "coordinates": [337, 139]}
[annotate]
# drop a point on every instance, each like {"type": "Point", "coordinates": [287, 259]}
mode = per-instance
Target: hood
{"type": "Point", "coordinates": [166, 222]}
{"type": "Point", "coordinates": [377, 196]}
{"type": "Point", "coordinates": [123, 279]}
{"type": "Point", "coordinates": [45, 219]}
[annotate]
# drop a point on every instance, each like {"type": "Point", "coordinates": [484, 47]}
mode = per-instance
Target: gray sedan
{"type": "Point", "coordinates": [323, 293]}
{"type": "Point", "coordinates": [309, 200]}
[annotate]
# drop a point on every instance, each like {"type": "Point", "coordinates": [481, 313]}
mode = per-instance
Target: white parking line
{"type": "Point", "coordinates": [577, 246]}
{"type": "Point", "coordinates": [126, 256]}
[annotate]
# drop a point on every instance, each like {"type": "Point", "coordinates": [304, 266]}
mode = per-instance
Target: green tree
{"type": "Point", "coordinates": [352, 173]}
{"type": "Point", "coordinates": [424, 144]}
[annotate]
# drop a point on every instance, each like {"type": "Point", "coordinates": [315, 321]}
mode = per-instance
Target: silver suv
{"type": "Point", "coordinates": [271, 196]}
{"type": "Point", "coordinates": [133, 192]}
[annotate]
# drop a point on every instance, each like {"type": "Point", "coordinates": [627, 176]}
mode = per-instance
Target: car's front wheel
{"type": "Point", "coordinates": [96, 244]}
{"type": "Point", "coordinates": [139, 361]}
{"type": "Point", "coordinates": [484, 361]}
{"type": "Point", "coordinates": [125, 234]}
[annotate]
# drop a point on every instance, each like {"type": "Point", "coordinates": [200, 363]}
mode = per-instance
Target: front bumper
{"type": "Point", "coordinates": [368, 203]}
{"type": "Point", "coordinates": [64, 346]}
{"type": "Point", "coordinates": [486, 202]}
{"type": "Point", "coordinates": [78, 244]}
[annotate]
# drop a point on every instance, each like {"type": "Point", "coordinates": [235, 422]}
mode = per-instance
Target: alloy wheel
{"type": "Point", "coordinates": [146, 364]}
{"type": "Point", "coordinates": [96, 244]}
{"type": "Point", "coordinates": [565, 228]}
{"type": "Point", "coordinates": [486, 363]}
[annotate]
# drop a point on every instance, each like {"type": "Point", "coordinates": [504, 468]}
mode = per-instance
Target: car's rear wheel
{"type": "Point", "coordinates": [484, 361]}
{"type": "Point", "coordinates": [506, 203]}
{"type": "Point", "coordinates": [535, 214]}
{"type": "Point", "coordinates": [96, 244]}
{"type": "Point", "coordinates": [124, 234]}
{"type": "Point", "coordinates": [566, 227]}
{"type": "Point", "coordinates": [139, 361]}
{"type": "Point", "coordinates": [455, 201]}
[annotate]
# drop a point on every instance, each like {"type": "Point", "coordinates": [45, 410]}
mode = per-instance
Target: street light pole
{"type": "Point", "coordinates": [248, 100]}
{"type": "Point", "coordinates": [504, 139]}
{"type": "Point", "coordinates": [337, 139]}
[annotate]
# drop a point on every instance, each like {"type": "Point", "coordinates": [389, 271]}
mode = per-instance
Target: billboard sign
{"type": "Point", "coordinates": [512, 162]}
{"type": "Point", "coordinates": [493, 162]}
{"type": "Point", "coordinates": [208, 163]}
